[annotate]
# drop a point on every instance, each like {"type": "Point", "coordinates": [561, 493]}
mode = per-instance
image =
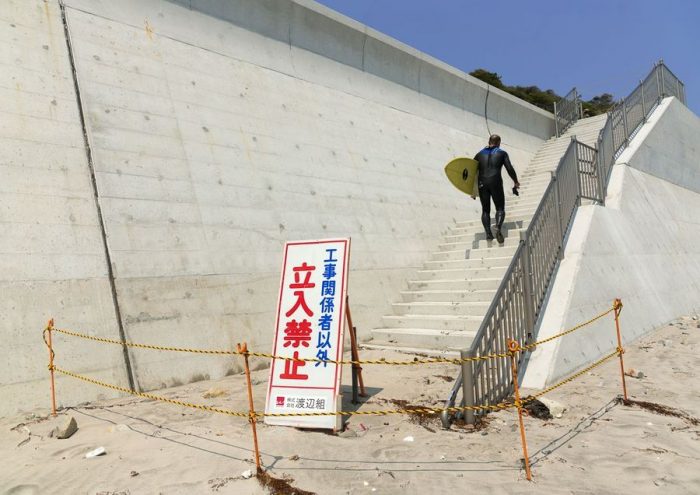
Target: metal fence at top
{"type": "Point", "coordinates": [583, 173]}
{"type": "Point", "coordinates": [625, 119]}
{"type": "Point", "coordinates": [567, 111]}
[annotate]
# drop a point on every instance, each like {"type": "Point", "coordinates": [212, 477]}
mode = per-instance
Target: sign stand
{"type": "Point", "coordinates": [355, 356]}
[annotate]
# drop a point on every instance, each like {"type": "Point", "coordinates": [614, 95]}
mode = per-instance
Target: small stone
{"type": "Point", "coordinates": [294, 458]}
{"type": "Point", "coordinates": [347, 434]}
{"type": "Point", "coordinates": [247, 474]}
{"type": "Point", "coordinates": [634, 373]}
{"type": "Point", "coordinates": [67, 429]}
{"type": "Point", "coordinates": [408, 439]}
{"type": "Point", "coordinates": [556, 409]}
{"type": "Point", "coordinates": [133, 474]}
{"type": "Point", "coordinates": [95, 453]}
{"type": "Point", "coordinates": [213, 392]}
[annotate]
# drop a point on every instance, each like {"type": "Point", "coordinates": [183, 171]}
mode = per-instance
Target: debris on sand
{"type": "Point", "coordinates": [278, 486]}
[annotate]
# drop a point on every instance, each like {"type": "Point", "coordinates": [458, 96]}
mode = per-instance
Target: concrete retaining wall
{"type": "Point", "coordinates": [52, 258]}
{"type": "Point", "coordinates": [641, 247]}
{"type": "Point", "coordinates": [216, 136]}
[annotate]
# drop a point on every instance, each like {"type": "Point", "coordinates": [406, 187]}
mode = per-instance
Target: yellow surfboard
{"type": "Point", "coordinates": [463, 173]}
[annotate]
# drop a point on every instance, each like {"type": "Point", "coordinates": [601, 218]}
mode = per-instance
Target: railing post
{"type": "Point", "coordinates": [468, 385]}
{"type": "Point", "coordinates": [556, 119]}
{"type": "Point", "coordinates": [624, 122]}
{"type": "Point", "coordinates": [557, 203]}
{"type": "Point", "coordinates": [644, 107]}
{"type": "Point", "coordinates": [601, 180]}
{"type": "Point", "coordinates": [576, 170]}
{"type": "Point", "coordinates": [662, 88]}
{"type": "Point", "coordinates": [527, 288]}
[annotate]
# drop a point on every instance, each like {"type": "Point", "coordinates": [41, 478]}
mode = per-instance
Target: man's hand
{"type": "Point", "coordinates": [516, 185]}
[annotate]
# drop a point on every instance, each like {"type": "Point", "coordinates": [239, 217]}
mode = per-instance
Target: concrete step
{"type": "Point", "coordinates": [485, 284]}
{"type": "Point", "coordinates": [510, 217]}
{"type": "Point", "coordinates": [461, 274]}
{"type": "Point", "coordinates": [478, 234]}
{"type": "Point", "coordinates": [478, 228]}
{"type": "Point", "coordinates": [421, 338]}
{"type": "Point", "coordinates": [485, 296]}
{"type": "Point", "coordinates": [434, 322]}
{"type": "Point", "coordinates": [495, 250]}
{"type": "Point", "coordinates": [440, 308]}
{"type": "Point", "coordinates": [480, 242]}
{"type": "Point", "coordinates": [466, 264]}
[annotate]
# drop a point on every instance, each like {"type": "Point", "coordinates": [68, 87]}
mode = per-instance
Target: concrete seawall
{"type": "Point", "coordinates": [215, 137]}
{"type": "Point", "coordinates": [52, 256]}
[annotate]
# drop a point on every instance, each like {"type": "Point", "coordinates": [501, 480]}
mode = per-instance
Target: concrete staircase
{"type": "Point", "coordinates": [445, 303]}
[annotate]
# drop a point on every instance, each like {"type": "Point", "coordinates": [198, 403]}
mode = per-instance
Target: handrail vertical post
{"type": "Point", "coordinates": [601, 180]}
{"type": "Point", "coordinates": [468, 385]}
{"type": "Point", "coordinates": [527, 287]}
{"type": "Point", "coordinates": [624, 122]}
{"type": "Point", "coordinates": [556, 119]}
{"type": "Point", "coordinates": [644, 107]}
{"type": "Point", "coordinates": [557, 203]}
{"type": "Point", "coordinates": [576, 169]}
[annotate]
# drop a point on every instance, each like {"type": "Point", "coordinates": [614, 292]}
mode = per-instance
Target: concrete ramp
{"type": "Point", "coordinates": [643, 247]}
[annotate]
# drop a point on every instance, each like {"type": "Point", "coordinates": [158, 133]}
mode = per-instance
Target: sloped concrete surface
{"type": "Point", "coordinates": [641, 247]}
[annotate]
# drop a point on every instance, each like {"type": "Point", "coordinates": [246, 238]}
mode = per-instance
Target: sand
{"type": "Point", "coordinates": [597, 446]}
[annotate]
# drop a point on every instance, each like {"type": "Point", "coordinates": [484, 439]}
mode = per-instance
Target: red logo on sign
{"type": "Point", "coordinates": [280, 400]}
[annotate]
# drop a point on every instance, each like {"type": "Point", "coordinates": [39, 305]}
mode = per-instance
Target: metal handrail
{"type": "Point", "coordinates": [567, 111]}
{"type": "Point", "coordinates": [583, 172]}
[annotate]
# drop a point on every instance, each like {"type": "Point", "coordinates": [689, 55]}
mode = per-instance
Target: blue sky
{"type": "Point", "coordinates": [596, 45]}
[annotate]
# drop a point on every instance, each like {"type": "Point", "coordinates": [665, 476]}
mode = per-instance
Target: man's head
{"type": "Point", "coordinates": [494, 140]}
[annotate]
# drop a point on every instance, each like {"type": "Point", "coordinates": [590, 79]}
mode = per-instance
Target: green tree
{"type": "Point", "coordinates": [544, 98]}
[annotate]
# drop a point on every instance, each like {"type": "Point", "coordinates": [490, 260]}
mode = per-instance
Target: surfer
{"type": "Point", "coordinates": [491, 159]}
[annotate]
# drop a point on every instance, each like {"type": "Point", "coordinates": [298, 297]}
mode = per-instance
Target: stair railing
{"type": "Point", "coordinates": [567, 111]}
{"type": "Point", "coordinates": [583, 172]}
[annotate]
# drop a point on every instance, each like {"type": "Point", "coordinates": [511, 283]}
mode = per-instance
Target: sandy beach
{"type": "Point", "coordinates": [597, 446]}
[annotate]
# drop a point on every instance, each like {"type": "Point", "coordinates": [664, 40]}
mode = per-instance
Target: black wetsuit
{"type": "Point", "coordinates": [491, 160]}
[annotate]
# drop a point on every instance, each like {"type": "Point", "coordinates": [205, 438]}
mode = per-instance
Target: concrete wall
{"type": "Point", "coordinates": [641, 247]}
{"type": "Point", "coordinates": [52, 258]}
{"type": "Point", "coordinates": [215, 139]}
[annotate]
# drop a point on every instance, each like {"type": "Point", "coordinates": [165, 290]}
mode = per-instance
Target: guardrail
{"type": "Point", "coordinates": [583, 173]}
{"type": "Point", "coordinates": [625, 119]}
{"type": "Point", "coordinates": [567, 111]}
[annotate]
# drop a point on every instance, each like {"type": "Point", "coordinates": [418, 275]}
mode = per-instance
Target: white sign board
{"type": "Point", "coordinates": [310, 324]}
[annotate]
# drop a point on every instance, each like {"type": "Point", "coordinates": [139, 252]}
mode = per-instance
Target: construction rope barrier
{"type": "Point", "coordinates": [567, 332]}
{"type": "Point", "coordinates": [514, 349]}
{"type": "Point", "coordinates": [573, 377]}
{"type": "Point", "coordinates": [437, 360]}
{"type": "Point", "coordinates": [242, 414]}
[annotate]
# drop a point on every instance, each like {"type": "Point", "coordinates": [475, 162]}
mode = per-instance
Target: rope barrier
{"type": "Point", "coordinates": [437, 360]}
{"type": "Point", "coordinates": [514, 348]}
{"type": "Point", "coordinates": [573, 377]}
{"type": "Point", "coordinates": [567, 332]}
{"type": "Point", "coordinates": [273, 356]}
{"type": "Point", "coordinates": [242, 414]}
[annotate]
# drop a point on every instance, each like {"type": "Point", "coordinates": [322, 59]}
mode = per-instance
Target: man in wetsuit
{"type": "Point", "coordinates": [491, 160]}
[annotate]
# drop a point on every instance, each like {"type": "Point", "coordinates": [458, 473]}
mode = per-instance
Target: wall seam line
{"type": "Point", "coordinates": [103, 231]}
